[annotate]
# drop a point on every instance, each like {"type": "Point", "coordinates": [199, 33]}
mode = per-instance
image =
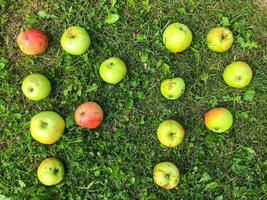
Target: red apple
{"type": "Point", "coordinates": [89, 115]}
{"type": "Point", "coordinates": [32, 42]}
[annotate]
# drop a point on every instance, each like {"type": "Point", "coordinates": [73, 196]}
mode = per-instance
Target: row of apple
{"type": "Point", "coordinates": [47, 127]}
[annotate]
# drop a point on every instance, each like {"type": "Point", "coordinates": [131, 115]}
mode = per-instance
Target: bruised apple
{"type": "Point", "coordinates": [32, 42]}
{"type": "Point", "coordinates": [89, 115]}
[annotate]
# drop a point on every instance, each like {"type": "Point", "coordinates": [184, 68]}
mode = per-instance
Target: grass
{"type": "Point", "coordinates": [116, 160]}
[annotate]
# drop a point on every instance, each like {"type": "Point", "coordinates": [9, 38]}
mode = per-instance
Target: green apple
{"type": "Point", "coordinates": [177, 37]}
{"type": "Point", "coordinates": [172, 88]}
{"type": "Point", "coordinates": [170, 133]}
{"type": "Point", "coordinates": [238, 74]}
{"type": "Point", "coordinates": [112, 70]}
{"type": "Point", "coordinates": [47, 127]}
{"type": "Point", "coordinates": [50, 171]}
{"type": "Point", "coordinates": [166, 175]}
{"type": "Point", "coordinates": [36, 87]}
{"type": "Point", "coordinates": [218, 119]}
{"type": "Point", "coordinates": [220, 39]}
{"type": "Point", "coordinates": [75, 40]}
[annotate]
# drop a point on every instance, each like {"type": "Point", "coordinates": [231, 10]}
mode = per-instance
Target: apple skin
{"type": "Point", "coordinates": [220, 39]}
{"type": "Point", "coordinates": [170, 133]}
{"type": "Point", "coordinates": [75, 40]}
{"type": "Point", "coordinates": [218, 119]}
{"type": "Point", "coordinates": [32, 42]}
{"type": "Point", "coordinates": [47, 127]}
{"type": "Point", "coordinates": [166, 175]}
{"type": "Point", "coordinates": [172, 88]}
{"type": "Point", "coordinates": [89, 115]}
{"type": "Point", "coordinates": [177, 37]}
{"type": "Point", "coordinates": [50, 171]}
{"type": "Point", "coordinates": [113, 70]}
{"type": "Point", "coordinates": [36, 87]}
{"type": "Point", "coordinates": [238, 74]}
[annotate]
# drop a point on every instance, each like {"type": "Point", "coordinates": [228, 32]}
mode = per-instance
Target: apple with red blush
{"type": "Point", "coordinates": [89, 115]}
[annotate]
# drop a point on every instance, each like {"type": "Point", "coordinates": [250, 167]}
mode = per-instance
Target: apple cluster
{"type": "Point", "coordinates": [47, 127]}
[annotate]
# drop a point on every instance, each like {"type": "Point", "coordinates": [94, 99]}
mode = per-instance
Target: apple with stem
{"type": "Point", "coordinates": [89, 115]}
{"type": "Point", "coordinates": [166, 175]}
{"type": "Point", "coordinates": [36, 87]}
{"type": "Point", "coordinates": [51, 171]}
{"type": "Point", "coordinates": [238, 74]}
{"type": "Point", "coordinates": [32, 42]}
{"type": "Point", "coordinates": [113, 70]}
{"type": "Point", "coordinates": [170, 133]}
{"type": "Point", "coordinates": [220, 39]}
{"type": "Point", "coordinates": [47, 127]}
{"type": "Point", "coordinates": [218, 119]}
{"type": "Point", "coordinates": [172, 88]}
{"type": "Point", "coordinates": [177, 37]}
{"type": "Point", "coordinates": [75, 40]}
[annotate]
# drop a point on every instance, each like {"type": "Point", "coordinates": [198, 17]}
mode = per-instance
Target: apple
{"type": "Point", "coordinates": [166, 175]}
{"type": "Point", "coordinates": [51, 171]}
{"type": "Point", "coordinates": [32, 42]}
{"type": "Point", "coordinates": [220, 39]}
{"type": "Point", "coordinates": [170, 133]}
{"type": "Point", "coordinates": [47, 127]}
{"type": "Point", "coordinates": [112, 70]}
{"type": "Point", "coordinates": [89, 115]}
{"type": "Point", "coordinates": [75, 40]}
{"type": "Point", "coordinates": [172, 88]}
{"type": "Point", "coordinates": [36, 87]}
{"type": "Point", "coordinates": [218, 119]}
{"type": "Point", "coordinates": [238, 74]}
{"type": "Point", "coordinates": [177, 37]}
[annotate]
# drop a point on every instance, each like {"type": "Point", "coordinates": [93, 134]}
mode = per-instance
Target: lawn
{"type": "Point", "coordinates": [115, 161]}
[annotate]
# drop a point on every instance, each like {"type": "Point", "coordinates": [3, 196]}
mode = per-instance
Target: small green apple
{"type": "Point", "coordinates": [47, 127]}
{"type": "Point", "coordinates": [177, 37]}
{"type": "Point", "coordinates": [112, 70]}
{"type": "Point", "coordinates": [238, 74]}
{"type": "Point", "coordinates": [75, 40]}
{"type": "Point", "coordinates": [172, 88]}
{"type": "Point", "coordinates": [50, 171]}
{"type": "Point", "coordinates": [218, 119]}
{"type": "Point", "coordinates": [166, 175]}
{"type": "Point", "coordinates": [170, 133]}
{"type": "Point", "coordinates": [220, 39]}
{"type": "Point", "coordinates": [36, 87]}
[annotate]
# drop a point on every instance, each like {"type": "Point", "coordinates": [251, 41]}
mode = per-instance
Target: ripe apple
{"type": "Point", "coordinates": [238, 74]}
{"type": "Point", "coordinates": [32, 42]}
{"type": "Point", "coordinates": [36, 87]}
{"type": "Point", "coordinates": [112, 70]}
{"type": "Point", "coordinates": [89, 115]}
{"type": "Point", "coordinates": [218, 119]}
{"type": "Point", "coordinates": [47, 127]}
{"type": "Point", "coordinates": [170, 133]}
{"type": "Point", "coordinates": [75, 40]}
{"type": "Point", "coordinates": [166, 175]}
{"type": "Point", "coordinates": [172, 88]}
{"type": "Point", "coordinates": [220, 39]}
{"type": "Point", "coordinates": [50, 171]}
{"type": "Point", "coordinates": [177, 37]}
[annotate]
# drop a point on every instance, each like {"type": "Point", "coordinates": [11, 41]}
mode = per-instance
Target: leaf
{"type": "Point", "coordinates": [219, 197]}
{"type": "Point", "coordinates": [249, 150]}
{"type": "Point", "coordinates": [31, 20]}
{"type": "Point", "coordinates": [21, 184]}
{"type": "Point", "coordinates": [144, 56]}
{"type": "Point", "coordinates": [2, 197]}
{"type": "Point", "coordinates": [132, 3]}
{"type": "Point", "coordinates": [92, 88]}
{"type": "Point", "coordinates": [205, 177]}
{"type": "Point", "coordinates": [69, 122]}
{"type": "Point", "coordinates": [113, 2]}
{"type": "Point", "coordinates": [141, 95]}
{"type": "Point", "coordinates": [225, 21]}
{"type": "Point", "coordinates": [211, 185]}
{"type": "Point", "coordinates": [112, 18]}
{"type": "Point", "coordinates": [165, 68]}
{"type": "Point", "coordinates": [44, 14]}
{"type": "Point", "coordinates": [249, 95]}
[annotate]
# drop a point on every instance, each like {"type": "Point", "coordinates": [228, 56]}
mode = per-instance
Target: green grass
{"type": "Point", "coordinates": [116, 160]}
